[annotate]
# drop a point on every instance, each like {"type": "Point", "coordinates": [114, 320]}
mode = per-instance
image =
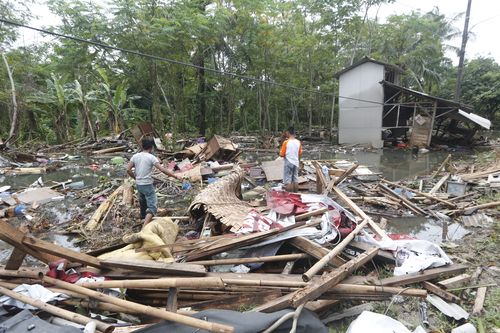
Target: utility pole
{"type": "Point", "coordinates": [465, 36]}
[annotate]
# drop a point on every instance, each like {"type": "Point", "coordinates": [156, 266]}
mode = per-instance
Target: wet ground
{"type": "Point", "coordinates": [392, 164]}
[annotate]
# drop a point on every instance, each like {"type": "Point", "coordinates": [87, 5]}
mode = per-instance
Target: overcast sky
{"type": "Point", "coordinates": [484, 22]}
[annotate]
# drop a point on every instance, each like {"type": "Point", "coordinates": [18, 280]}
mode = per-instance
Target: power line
{"type": "Point", "coordinates": [177, 62]}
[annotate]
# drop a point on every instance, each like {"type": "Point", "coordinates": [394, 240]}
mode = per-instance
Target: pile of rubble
{"type": "Point", "coordinates": [246, 245]}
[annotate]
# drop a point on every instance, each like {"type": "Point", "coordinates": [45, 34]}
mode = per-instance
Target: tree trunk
{"type": "Point", "coordinates": [88, 122]}
{"type": "Point", "coordinates": [465, 37]}
{"type": "Point", "coordinates": [200, 97]}
{"type": "Point", "coordinates": [14, 125]}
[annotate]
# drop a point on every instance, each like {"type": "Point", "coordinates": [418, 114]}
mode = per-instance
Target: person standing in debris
{"type": "Point", "coordinates": [144, 163]}
{"type": "Point", "coordinates": [291, 151]}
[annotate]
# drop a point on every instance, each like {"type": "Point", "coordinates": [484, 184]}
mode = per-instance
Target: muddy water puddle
{"type": "Point", "coordinates": [428, 229]}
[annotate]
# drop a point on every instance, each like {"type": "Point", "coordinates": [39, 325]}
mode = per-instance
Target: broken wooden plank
{"type": "Point", "coordinates": [479, 301]}
{"type": "Point", "coordinates": [16, 259]}
{"type": "Point", "coordinates": [103, 208]}
{"type": "Point", "coordinates": [328, 280]}
{"type": "Point", "coordinates": [147, 310]}
{"type": "Point", "coordinates": [335, 182]}
{"type": "Point", "coordinates": [441, 167]}
{"type": "Point", "coordinates": [440, 292]}
{"type": "Point", "coordinates": [62, 252]}
{"type": "Point", "coordinates": [455, 282]}
{"type": "Point", "coordinates": [428, 274]}
{"type": "Point", "coordinates": [155, 266]}
{"type": "Point", "coordinates": [14, 237]}
{"type": "Point", "coordinates": [358, 211]}
{"type": "Point", "coordinates": [314, 249]}
{"type": "Point", "coordinates": [439, 183]}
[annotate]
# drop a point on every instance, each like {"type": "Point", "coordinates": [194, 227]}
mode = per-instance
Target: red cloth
{"type": "Point", "coordinates": [285, 203]}
{"type": "Point", "coordinates": [57, 270]}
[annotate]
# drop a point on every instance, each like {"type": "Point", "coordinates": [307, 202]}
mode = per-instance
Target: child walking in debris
{"type": "Point", "coordinates": [144, 163]}
{"type": "Point", "coordinates": [291, 151]}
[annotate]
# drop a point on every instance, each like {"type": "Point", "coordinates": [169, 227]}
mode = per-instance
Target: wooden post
{"type": "Point", "coordinates": [432, 124]}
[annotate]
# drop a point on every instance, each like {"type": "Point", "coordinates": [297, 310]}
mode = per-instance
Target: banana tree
{"type": "Point", "coordinates": [116, 101]}
{"type": "Point", "coordinates": [57, 100]}
{"type": "Point", "coordinates": [85, 114]}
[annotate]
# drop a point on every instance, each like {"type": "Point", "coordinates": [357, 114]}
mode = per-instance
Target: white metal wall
{"type": "Point", "coordinates": [361, 122]}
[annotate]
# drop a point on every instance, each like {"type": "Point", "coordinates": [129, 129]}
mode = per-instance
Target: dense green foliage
{"type": "Point", "coordinates": [67, 89]}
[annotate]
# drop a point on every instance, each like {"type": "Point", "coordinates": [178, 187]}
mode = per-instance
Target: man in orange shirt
{"type": "Point", "coordinates": [291, 151]}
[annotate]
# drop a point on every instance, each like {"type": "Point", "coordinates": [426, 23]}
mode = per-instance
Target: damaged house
{"type": "Point", "coordinates": [375, 109]}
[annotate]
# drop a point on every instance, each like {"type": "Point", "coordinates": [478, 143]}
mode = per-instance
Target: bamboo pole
{"type": "Point", "coordinates": [10, 285]}
{"type": "Point", "coordinates": [22, 273]}
{"type": "Point", "coordinates": [162, 283]}
{"type": "Point", "coordinates": [236, 261]}
{"type": "Point", "coordinates": [147, 310]}
{"type": "Point", "coordinates": [307, 276]}
{"type": "Point", "coordinates": [427, 195]}
{"type": "Point", "coordinates": [71, 316]}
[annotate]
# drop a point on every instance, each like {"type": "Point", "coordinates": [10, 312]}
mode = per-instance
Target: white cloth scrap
{"type": "Point", "coordinates": [35, 291]}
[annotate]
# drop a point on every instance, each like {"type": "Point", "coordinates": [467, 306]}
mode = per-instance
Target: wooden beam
{"type": "Point", "coordinates": [440, 292]}
{"type": "Point", "coordinates": [329, 280]}
{"type": "Point", "coordinates": [439, 183]}
{"type": "Point", "coordinates": [56, 250]}
{"type": "Point", "coordinates": [358, 211]}
{"type": "Point", "coordinates": [335, 182]}
{"type": "Point", "coordinates": [14, 237]}
{"type": "Point", "coordinates": [479, 301]}
{"type": "Point", "coordinates": [428, 274]}
{"type": "Point", "coordinates": [157, 267]}
{"type": "Point", "coordinates": [314, 249]}
{"type": "Point", "coordinates": [16, 259]}
{"type": "Point", "coordinates": [455, 282]}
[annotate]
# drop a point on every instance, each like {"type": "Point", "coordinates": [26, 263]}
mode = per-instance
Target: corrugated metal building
{"type": "Point", "coordinates": [372, 102]}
